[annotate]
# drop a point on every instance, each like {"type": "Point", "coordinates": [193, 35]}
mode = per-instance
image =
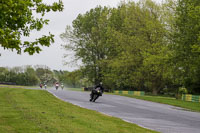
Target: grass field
{"type": "Point", "coordinates": [192, 106]}
{"type": "Point", "coordinates": [37, 111]}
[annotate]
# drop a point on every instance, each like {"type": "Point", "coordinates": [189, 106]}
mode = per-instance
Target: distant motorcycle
{"type": "Point", "coordinates": [62, 86]}
{"type": "Point", "coordinates": [57, 85]}
{"type": "Point", "coordinates": [40, 86]}
{"type": "Point", "coordinates": [95, 94]}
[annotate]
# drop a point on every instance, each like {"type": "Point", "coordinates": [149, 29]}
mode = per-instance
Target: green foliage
{"type": "Point", "coordinates": [119, 46]}
{"type": "Point", "coordinates": [45, 75]}
{"type": "Point", "coordinates": [139, 46]}
{"type": "Point", "coordinates": [25, 76]}
{"type": "Point", "coordinates": [88, 39]}
{"type": "Point", "coordinates": [70, 79]}
{"type": "Point", "coordinates": [186, 43]}
{"type": "Point", "coordinates": [17, 20]}
{"type": "Point", "coordinates": [30, 76]}
{"type": "Point", "coordinates": [182, 90]}
{"type": "Point", "coordinates": [140, 43]}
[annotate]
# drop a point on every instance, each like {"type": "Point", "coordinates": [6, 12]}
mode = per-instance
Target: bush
{"type": "Point", "coordinates": [182, 90]}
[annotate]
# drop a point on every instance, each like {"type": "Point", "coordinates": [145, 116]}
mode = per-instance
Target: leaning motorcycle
{"type": "Point", "coordinates": [95, 94]}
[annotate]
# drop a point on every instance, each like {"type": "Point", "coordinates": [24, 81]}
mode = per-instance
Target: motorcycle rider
{"type": "Point", "coordinates": [62, 86]}
{"type": "Point", "coordinates": [41, 85]}
{"type": "Point", "coordinates": [57, 85]}
{"type": "Point", "coordinates": [100, 87]}
{"type": "Point", "coordinates": [45, 86]}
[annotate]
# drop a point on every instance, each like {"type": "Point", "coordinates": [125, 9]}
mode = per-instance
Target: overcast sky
{"type": "Point", "coordinates": [53, 56]}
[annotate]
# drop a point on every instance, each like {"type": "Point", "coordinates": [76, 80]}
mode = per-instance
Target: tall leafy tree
{"type": "Point", "coordinates": [156, 51]}
{"type": "Point", "coordinates": [44, 74]}
{"type": "Point", "coordinates": [31, 77]}
{"type": "Point", "coordinates": [87, 38]}
{"type": "Point", "coordinates": [3, 72]}
{"type": "Point", "coordinates": [187, 43]}
{"type": "Point", "coordinates": [17, 20]}
{"type": "Point", "coordinates": [138, 43]}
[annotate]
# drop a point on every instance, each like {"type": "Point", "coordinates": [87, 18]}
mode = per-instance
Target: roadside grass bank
{"type": "Point", "coordinates": [18, 86]}
{"type": "Point", "coordinates": [25, 110]}
{"type": "Point", "coordinates": [191, 106]}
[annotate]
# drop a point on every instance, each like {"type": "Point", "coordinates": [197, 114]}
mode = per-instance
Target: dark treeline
{"type": "Point", "coordinates": [139, 46]}
{"type": "Point", "coordinates": [30, 76]}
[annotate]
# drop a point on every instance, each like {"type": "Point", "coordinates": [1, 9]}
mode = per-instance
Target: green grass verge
{"type": "Point", "coordinates": [18, 86]}
{"type": "Point", "coordinates": [37, 111]}
{"type": "Point", "coordinates": [192, 106]}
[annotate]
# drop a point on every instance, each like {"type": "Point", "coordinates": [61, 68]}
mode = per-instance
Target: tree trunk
{"type": "Point", "coordinates": [155, 91]}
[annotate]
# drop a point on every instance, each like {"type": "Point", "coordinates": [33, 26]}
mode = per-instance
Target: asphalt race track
{"type": "Point", "coordinates": [155, 116]}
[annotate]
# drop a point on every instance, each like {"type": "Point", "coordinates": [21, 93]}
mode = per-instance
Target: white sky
{"type": "Point", "coordinates": [53, 56]}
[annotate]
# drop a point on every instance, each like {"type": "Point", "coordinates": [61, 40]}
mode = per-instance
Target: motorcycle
{"type": "Point", "coordinates": [40, 86]}
{"type": "Point", "coordinates": [95, 94]}
{"type": "Point", "coordinates": [62, 86]}
{"type": "Point", "coordinates": [56, 87]}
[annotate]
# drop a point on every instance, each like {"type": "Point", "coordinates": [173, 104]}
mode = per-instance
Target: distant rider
{"type": "Point", "coordinates": [57, 85]}
{"type": "Point", "coordinates": [62, 86]}
{"type": "Point", "coordinates": [45, 86]}
{"type": "Point", "coordinates": [41, 85]}
{"type": "Point", "coordinates": [100, 87]}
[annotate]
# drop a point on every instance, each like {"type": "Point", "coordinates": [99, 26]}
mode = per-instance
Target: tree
{"type": "Point", "coordinates": [17, 20]}
{"type": "Point", "coordinates": [3, 72]}
{"type": "Point", "coordinates": [45, 74]}
{"type": "Point", "coordinates": [119, 46]}
{"type": "Point", "coordinates": [31, 77]}
{"type": "Point", "coordinates": [137, 61]}
{"type": "Point", "coordinates": [74, 79]}
{"type": "Point", "coordinates": [186, 43]}
{"type": "Point", "coordinates": [88, 40]}
{"type": "Point", "coordinates": [155, 54]}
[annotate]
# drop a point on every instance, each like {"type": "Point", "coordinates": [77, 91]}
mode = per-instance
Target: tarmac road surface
{"type": "Point", "coordinates": [155, 116]}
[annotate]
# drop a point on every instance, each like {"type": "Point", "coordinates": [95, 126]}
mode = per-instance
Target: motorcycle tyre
{"type": "Point", "coordinates": [95, 98]}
